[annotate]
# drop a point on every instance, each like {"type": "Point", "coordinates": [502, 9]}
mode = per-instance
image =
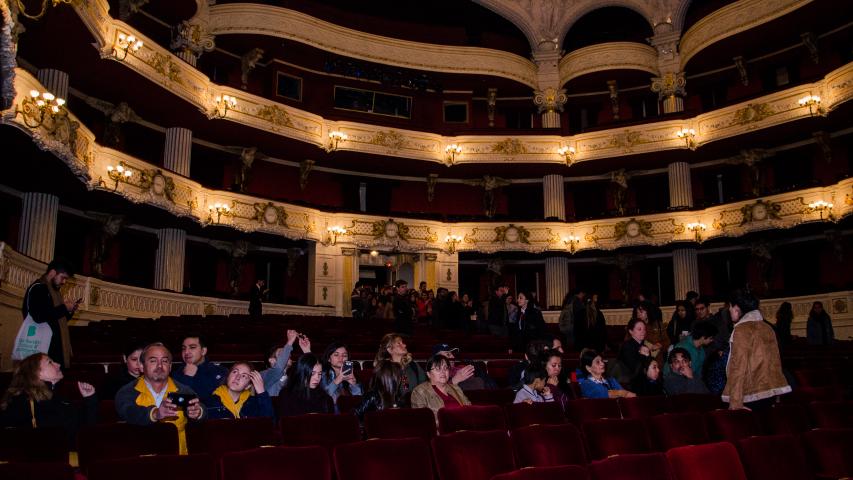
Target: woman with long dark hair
{"type": "Point", "coordinates": [681, 323]}
{"type": "Point", "coordinates": [385, 390]}
{"type": "Point", "coordinates": [337, 380]}
{"type": "Point", "coordinates": [302, 394]}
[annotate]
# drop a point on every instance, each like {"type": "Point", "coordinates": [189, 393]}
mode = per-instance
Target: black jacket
{"type": "Point", "coordinates": [40, 306]}
{"type": "Point", "coordinates": [291, 404]}
{"type": "Point", "coordinates": [402, 314]}
{"type": "Point", "coordinates": [530, 326]}
{"type": "Point", "coordinates": [56, 412]}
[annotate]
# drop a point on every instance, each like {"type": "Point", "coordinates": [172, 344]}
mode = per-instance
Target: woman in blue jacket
{"type": "Point", "coordinates": [242, 395]}
{"type": "Point", "coordinates": [593, 383]}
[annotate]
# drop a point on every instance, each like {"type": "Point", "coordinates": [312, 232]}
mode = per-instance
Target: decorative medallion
{"type": "Point", "coordinates": [391, 139]}
{"type": "Point", "coordinates": [627, 140]}
{"type": "Point", "coordinates": [158, 184]}
{"type": "Point", "coordinates": [449, 275]}
{"type": "Point", "coordinates": [275, 115]}
{"type": "Point", "coordinates": [325, 269]}
{"type": "Point", "coordinates": [269, 214]}
{"type": "Point", "coordinates": [839, 305]}
{"type": "Point", "coordinates": [752, 112]}
{"type": "Point", "coordinates": [512, 234]}
{"type": "Point", "coordinates": [760, 211]}
{"type": "Point", "coordinates": [325, 293]}
{"type": "Point", "coordinates": [510, 146]}
{"type": "Point", "coordinates": [209, 309]}
{"type": "Point", "coordinates": [390, 229]}
{"type": "Point", "coordinates": [632, 228]}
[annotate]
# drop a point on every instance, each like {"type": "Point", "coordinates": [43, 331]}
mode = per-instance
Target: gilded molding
{"type": "Point", "coordinates": [608, 56]}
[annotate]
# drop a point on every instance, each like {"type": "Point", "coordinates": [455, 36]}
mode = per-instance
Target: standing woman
{"type": "Point", "coordinates": [530, 325]}
{"type": "Point", "coordinates": [335, 382]}
{"type": "Point", "coordinates": [302, 394]}
{"type": "Point", "coordinates": [31, 400]}
{"type": "Point", "coordinates": [591, 328]}
{"type": "Point", "coordinates": [784, 319]}
{"type": "Point", "coordinates": [393, 349]}
{"type": "Point", "coordinates": [754, 370]}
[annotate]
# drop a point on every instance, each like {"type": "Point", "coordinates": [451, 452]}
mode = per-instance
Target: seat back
{"type": "Point", "coordinates": [286, 463]}
{"type": "Point", "coordinates": [573, 472]}
{"type": "Point", "coordinates": [786, 418]}
{"type": "Point", "coordinates": [471, 417]}
{"type": "Point", "coordinates": [644, 407]}
{"type": "Point", "coordinates": [348, 403]}
{"type": "Point", "coordinates": [97, 443]}
{"type": "Point", "coordinates": [475, 455]}
{"type": "Point", "coordinates": [677, 430]}
{"type": "Point", "coordinates": [499, 371]}
{"type": "Point", "coordinates": [500, 397]}
{"type": "Point", "coordinates": [326, 430]}
{"type": "Point", "coordinates": [384, 458]}
{"type": "Point", "coordinates": [161, 467]}
{"type": "Point", "coordinates": [828, 451]}
{"type": "Point", "coordinates": [645, 466]}
{"type": "Point", "coordinates": [400, 423]}
{"type": "Point", "coordinates": [36, 471]}
{"type": "Point", "coordinates": [45, 444]}
{"type": "Point", "coordinates": [549, 445]}
{"type": "Point", "coordinates": [608, 437]}
{"type": "Point", "coordinates": [523, 414]}
{"type": "Point", "coordinates": [695, 402]}
{"type": "Point", "coordinates": [217, 437]}
{"type": "Point", "coordinates": [832, 414]}
{"type": "Point", "coordinates": [704, 462]}
{"type": "Point", "coordinates": [780, 457]}
{"type": "Point", "coordinates": [732, 425]}
{"type": "Point", "coordinates": [584, 409]}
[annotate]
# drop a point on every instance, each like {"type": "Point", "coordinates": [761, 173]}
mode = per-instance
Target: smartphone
{"type": "Point", "coordinates": [347, 369]}
{"type": "Point", "coordinates": [181, 400]}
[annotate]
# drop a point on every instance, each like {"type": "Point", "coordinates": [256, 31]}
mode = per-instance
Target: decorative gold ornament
{"type": "Point", "coordinates": [164, 65]}
{"type": "Point", "coordinates": [632, 228]}
{"type": "Point", "coordinates": [158, 184]}
{"type": "Point", "coordinates": [512, 234]}
{"type": "Point", "coordinates": [760, 211]}
{"type": "Point", "coordinates": [391, 139]}
{"type": "Point", "coordinates": [510, 146]}
{"type": "Point", "coordinates": [270, 214]}
{"type": "Point", "coordinates": [275, 115]}
{"type": "Point", "coordinates": [752, 112]}
{"type": "Point", "coordinates": [390, 229]}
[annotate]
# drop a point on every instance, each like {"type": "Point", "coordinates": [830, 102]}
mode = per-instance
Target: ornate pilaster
{"type": "Point", "coordinates": [671, 91]}
{"type": "Point", "coordinates": [190, 39]}
{"type": "Point", "coordinates": [54, 81]}
{"type": "Point", "coordinates": [37, 231]}
{"type": "Point", "coordinates": [177, 154]}
{"type": "Point", "coordinates": [685, 268]}
{"type": "Point", "coordinates": [555, 200]}
{"type": "Point", "coordinates": [670, 84]}
{"type": "Point", "coordinates": [169, 263]}
{"type": "Point", "coordinates": [680, 188]}
{"type": "Point", "coordinates": [326, 276]}
{"type": "Point", "coordinates": [556, 280]}
{"type": "Point", "coordinates": [446, 268]}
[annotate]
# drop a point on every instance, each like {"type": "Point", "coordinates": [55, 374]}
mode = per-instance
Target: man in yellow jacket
{"type": "Point", "coordinates": [146, 401]}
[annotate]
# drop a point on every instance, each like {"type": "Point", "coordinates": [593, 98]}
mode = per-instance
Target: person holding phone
{"type": "Point", "coordinates": [338, 375]}
{"type": "Point", "coordinates": [44, 303]}
{"type": "Point", "coordinates": [242, 395]}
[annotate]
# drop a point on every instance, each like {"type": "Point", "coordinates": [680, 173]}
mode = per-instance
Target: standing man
{"type": "Point", "coordinates": [497, 311]}
{"type": "Point", "coordinates": [199, 374]}
{"type": "Point", "coordinates": [402, 308]}
{"type": "Point", "coordinates": [44, 303]}
{"type": "Point", "coordinates": [256, 299]}
{"type": "Point", "coordinates": [146, 401]}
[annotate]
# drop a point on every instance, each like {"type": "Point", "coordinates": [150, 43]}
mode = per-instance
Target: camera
{"type": "Point", "coordinates": [181, 400]}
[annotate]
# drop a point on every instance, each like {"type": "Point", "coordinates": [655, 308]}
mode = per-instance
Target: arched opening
{"type": "Point", "coordinates": [608, 24]}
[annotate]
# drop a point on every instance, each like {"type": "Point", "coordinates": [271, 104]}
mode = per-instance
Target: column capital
{"type": "Point", "coordinates": [669, 85]}
{"type": "Point", "coordinates": [550, 99]}
{"type": "Point", "coordinates": [192, 37]}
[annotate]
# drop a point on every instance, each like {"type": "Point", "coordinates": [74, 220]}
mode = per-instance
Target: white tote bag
{"type": "Point", "coordinates": [32, 337]}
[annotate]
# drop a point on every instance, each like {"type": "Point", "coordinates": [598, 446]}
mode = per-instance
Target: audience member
{"type": "Point", "coordinates": [200, 375]}
{"type": "Point", "coordinates": [532, 354]}
{"type": "Point", "coordinates": [130, 372]}
{"type": "Point", "coordinates": [681, 322]}
{"type": "Point", "coordinates": [556, 343]}
{"type": "Point", "coordinates": [754, 370]}
{"type": "Point", "coordinates": [497, 314]}
{"type": "Point", "coordinates": [557, 379]}
{"type": "Point", "coordinates": [592, 382]}
{"type": "Point", "coordinates": [242, 395]}
{"type": "Point", "coordinates": [535, 389]}
{"type": "Point", "coordinates": [718, 320]}
{"type": "Point", "coordinates": [590, 327]}
{"type": "Point", "coordinates": [680, 377]}
{"type": "Point", "coordinates": [656, 337]}
{"type": "Point", "coordinates": [702, 335]}
{"type": "Point", "coordinates": [570, 313]}
{"type": "Point", "coordinates": [43, 303]}
{"type": "Point", "coordinates": [275, 377]}
{"type": "Point", "coordinates": [784, 319]}
{"type": "Point", "coordinates": [31, 401]}
{"type": "Point", "coordinates": [438, 392]}
{"type": "Point", "coordinates": [392, 348]}
{"type": "Point", "coordinates": [301, 395]}
{"type": "Point", "coordinates": [649, 382]}
{"type": "Point", "coordinates": [384, 392]}
{"type": "Point", "coordinates": [819, 326]}
{"type": "Point", "coordinates": [256, 298]}
{"type": "Point", "coordinates": [338, 375]}
{"type": "Point", "coordinates": [530, 325]}
{"type": "Point", "coordinates": [634, 350]}
{"type": "Point", "coordinates": [402, 308]}
{"type": "Point", "coordinates": [150, 399]}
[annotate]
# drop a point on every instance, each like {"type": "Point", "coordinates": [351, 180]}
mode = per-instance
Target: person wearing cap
{"type": "Point", "coordinates": [463, 376]}
{"type": "Point", "coordinates": [438, 392]}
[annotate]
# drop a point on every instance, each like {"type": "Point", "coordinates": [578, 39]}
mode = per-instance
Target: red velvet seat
{"type": "Point", "coordinates": [677, 430]}
{"type": "Point", "coordinates": [501, 396]}
{"type": "Point", "coordinates": [828, 450]}
{"type": "Point", "coordinates": [786, 418]}
{"type": "Point", "coordinates": [695, 402]}
{"type": "Point", "coordinates": [285, 463]}
{"type": "Point", "coordinates": [777, 457]}
{"type": "Point", "coordinates": [584, 409]}
{"type": "Point", "coordinates": [400, 423]}
{"type": "Point", "coordinates": [472, 417]}
{"type": "Point", "coordinates": [832, 414]}
{"type": "Point", "coordinates": [648, 466]}
{"type": "Point", "coordinates": [644, 407]}
{"type": "Point", "coordinates": [563, 472]}
{"type": "Point", "coordinates": [815, 377]}
{"type": "Point", "coordinates": [33, 445]}
{"type": "Point", "coordinates": [384, 458]}
{"type": "Point", "coordinates": [732, 425]}
{"type": "Point", "coordinates": [230, 435]}
{"type": "Point", "coordinates": [499, 371]}
{"type": "Point", "coordinates": [347, 403]}
{"type": "Point", "coordinates": [472, 455]}
{"type": "Point", "coordinates": [36, 471]}
{"type": "Point", "coordinates": [805, 395]}
{"type": "Point", "coordinates": [161, 467]}
{"type": "Point", "coordinates": [523, 414]}
{"type": "Point", "coordinates": [121, 440]}
{"type": "Point", "coordinates": [549, 445]}
{"type": "Point", "coordinates": [326, 430]}
{"type": "Point", "coordinates": [616, 436]}
{"type": "Point", "coordinates": [107, 412]}
{"type": "Point", "coordinates": [706, 462]}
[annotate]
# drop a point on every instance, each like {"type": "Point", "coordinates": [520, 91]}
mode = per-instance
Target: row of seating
{"type": "Point", "coordinates": [486, 455]}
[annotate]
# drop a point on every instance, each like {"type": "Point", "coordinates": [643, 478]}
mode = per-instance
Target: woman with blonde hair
{"type": "Point", "coordinates": [393, 349]}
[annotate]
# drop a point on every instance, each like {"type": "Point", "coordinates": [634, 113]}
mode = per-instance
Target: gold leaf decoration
{"type": "Point", "coordinates": [391, 139]}
{"type": "Point", "coordinates": [512, 234]}
{"type": "Point", "coordinates": [632, 228]}
{"type": "Point", "coordinates": [510, 146]}
{"type": "Point", "coordinates": [275, 115]}
{"type": "Point", "coordinates": [626, 140]}
{"type": "Point", "coordinates": [752, 112]}
{"type": "Point", "coordinates": [164, 65]}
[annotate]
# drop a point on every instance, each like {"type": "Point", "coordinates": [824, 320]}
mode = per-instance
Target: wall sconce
{"type": "Point", "coordinates": [334, 232]}
{"type": "Point", "coordinates": [689, 136]}
{"type": "Point", "coordinates": [335, 137]}
{"type": "Point", "coordinates": [571, 242]}
{"type": "Point", "coordinates": [813, 102]}
{"type": "Point", "coordinates": [223, 104]}
{"type": "Point", "coordinates": [821, 206]}
{"type": "Point", "coordinates": [568, 153]}
{"type": "Point", "coordinates": [38, 107]}
{"type": "Point", "coordinates": [451, 151]}
{"type": "Point", "coordinates": [452, 241]}
{"type": "Point", "coordinates": [697, 228]}
{"type": "Point", "coordinates": [124, 44]}
{"type": "Point", "coordinates": [219, 209]}
{"type": "Point", "coordinates": [118, 173]}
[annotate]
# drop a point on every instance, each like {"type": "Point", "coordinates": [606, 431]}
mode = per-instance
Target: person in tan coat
{"type": "Point", "coordinates": [438, 392]}
{"type": "Point", "coordinates": [754, 369]}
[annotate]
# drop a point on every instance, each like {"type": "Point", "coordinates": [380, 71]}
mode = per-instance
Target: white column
{"type": "Point", "coordinates": [54, 81]}
{"type": "Point", "coordinates": [169, 267]}
{"type": "Point", "coordinates": [326, 276]}
{"type": "Point", "coordinates": [550, 119]}
{"type": "Point", "coordinates": [176, 155]}
{"type": "Point", "coordinates": [673, 104]}
{"type": "Point", "coordinates": [555, 200]}
{"type": "Point", "coordinates": [556, 280]}
{"type": "Point", "coordinates": [685, 268]}
{"type": "Point", "coordinates": [188, 56]}
{"type": "Point", "coordinates": [680, 188]}
{"type": "Point", "coordinates": [37, 231]}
